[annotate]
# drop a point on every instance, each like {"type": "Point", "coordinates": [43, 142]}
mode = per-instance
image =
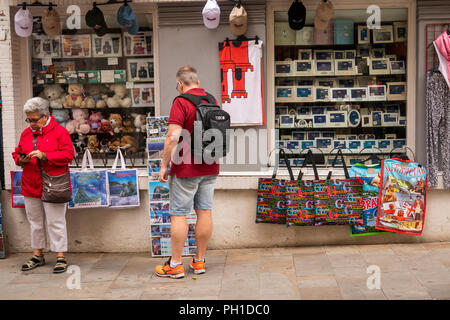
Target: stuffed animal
{"type": "Point", "coordinates": [127, 143]}
{"type": "Point", "coordinates": [120, 98]}
{"type": "Point", "coordinates": [116, 122]}
{"type": "Point", "coordinates": [93, 143]}
{"type": "Point", "coordinates": [61, 116]}
{"type": "Point", "coordinates": [75, 96]}
{"type": "Point", "coordinates": [79, 124]}
{"type": "Point", "coordinates": [55, 96]}
{"type": "Point", "coordinates": [96, 97]}
{"type": "Point", "coordinates": [126, 122]}
{"type": "Point", "coordinates": [95, 121]}
{"type": "Point", "coordinates": [79, 142]}
{"type": "Point", "coordinates": [114, 144]}
{"type": "Point", "coordinates": [140, 122]}
{"type": "Point", "coordinates": [105, 127]}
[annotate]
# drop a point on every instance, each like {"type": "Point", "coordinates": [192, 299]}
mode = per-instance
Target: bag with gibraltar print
{"type": "Point", "coordinates": [402, 197]}
{"type": "Point", "coordinates": [271, 197]}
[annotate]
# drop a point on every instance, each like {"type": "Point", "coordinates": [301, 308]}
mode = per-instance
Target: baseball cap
{"type": "Point", "coordinates": [324, 13]}
{"type": "Point", "coordinates": [95, 19]}
{"type": "Point", "coordinates": [211, 14]}
{"type": "Point", "coordinates": [51, 23]}
{"type": "Point", "coordinates": [297, 15]}
{"type": "Point", "coordinates": [127, 19]}
{"type": "Point", "coordinates": [23, 23]}
{"type": "Point", "coordinates": [238, 21]}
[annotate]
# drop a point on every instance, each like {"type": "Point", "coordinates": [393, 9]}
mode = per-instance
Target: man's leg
{"type": "Point", "coordinates": [203, 231]}
{"type": "Point", "coordinates": [178, 232]}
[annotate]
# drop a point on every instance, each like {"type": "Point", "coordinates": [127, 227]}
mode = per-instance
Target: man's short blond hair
{"type": "Point", "coordinates": [187, 75]}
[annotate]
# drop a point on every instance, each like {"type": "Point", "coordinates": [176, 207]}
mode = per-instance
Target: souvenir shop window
{"type": "Point", "coordinates": [342, 87]}
{"type": "Point", "coordinates": [100, 88]}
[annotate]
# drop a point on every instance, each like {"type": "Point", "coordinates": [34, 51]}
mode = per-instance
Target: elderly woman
{"type": "Point", "coordinates": [46, 143]}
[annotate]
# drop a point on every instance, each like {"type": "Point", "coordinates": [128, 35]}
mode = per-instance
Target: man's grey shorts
{"type": "Point", "coordinates": [185, 192]}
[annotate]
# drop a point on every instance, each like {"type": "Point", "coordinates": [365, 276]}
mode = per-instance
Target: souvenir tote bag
{"type": "Point", "coordinates": [402, 197]}
{"type": "Point", "coordinates": [17, 200]}
{"type": "Point", "coordinates": [89, 186]}
{"type": "Point", "coordinates": [271, 196]}
{"type": "Point", "coordinates": [370, 175]}
{"type": "Point", "coordinates": [123, 185]}
{"type": "Point", "coordinates": [300, 209]}
{"type": "Point", "coordinates": [338, 201]}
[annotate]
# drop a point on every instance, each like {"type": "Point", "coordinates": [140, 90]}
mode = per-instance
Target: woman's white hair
{"type": "Point", "coordinates": [38, 105]}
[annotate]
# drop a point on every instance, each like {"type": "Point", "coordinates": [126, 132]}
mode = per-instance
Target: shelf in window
{"type": "Point", "coordinates": [342, 76]}
{"type": "Point", "coordinates": [372, 127]}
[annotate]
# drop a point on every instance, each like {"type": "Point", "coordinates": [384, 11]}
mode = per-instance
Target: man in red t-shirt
{"type": "Point", "coordinates": [190, 183]}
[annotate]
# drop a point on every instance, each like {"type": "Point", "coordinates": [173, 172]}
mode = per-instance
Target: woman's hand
{"type": "Point", "coordinates": [36, 154]}
{"type": "Point", "coordinates": [23, 160]}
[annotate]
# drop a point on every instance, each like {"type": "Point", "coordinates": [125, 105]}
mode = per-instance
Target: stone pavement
{"type": "Point", "coordinates": [408, 271]}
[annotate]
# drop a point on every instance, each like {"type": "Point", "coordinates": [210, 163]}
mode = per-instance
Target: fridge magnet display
{"type": "Point", "coordinates": [78, 46]}
{"type": "Point", "coordinates": [305, 82]}
{"type": "Point", "coordinates": [326, 82]}
{"type": "Point", "coordinates": [292, 145]}
{"type": "Point", "coordinates": [377, 53]}
{"type": "Point", "coordinates": [363, 34]}
{"type": "Point", "coordinates": [312, 135]}
{"type": "Point", "coordinates": [358, 94]}
{"type": "Point", "coordinates": [303, 67]}
{"type": "Point", "coordinates": [323, 55]}
{"type": "Point", "coordinates": [286, 121]}
{"type": "Point", "coordinates": [354, 118]}
{"type": "Point", "coordinates": [379, 66]}
{"type": "Point", "coordinates": [377, 118]}
{"type": "Point", "coordinates": [337, 119]}
{"type": "Point", "coordinates": [385, 145]}
{"type": "Point", "coordinates": [303, 111]}
{"type": "Point", "coordinates": [390, 119]}
{"type": "Point", "coordinates": [317, 110]}
{"type": "Point", "coordinates": [350, 54]}
{"type": "Point", "coordinates": [319, 121]}
{"type": "Point", "coordinates": [400, 31]}
{"type": "Point", "coordinates": [323, 67]}
{"type": "Point", "coordinates": [363, 52]}
{"type": "Point", "coordinates": [396, 91]}
{"type": "Point", "coordinates": [338, 54]}
{"type": "Point", "coordinates": [377, 92]}
{"type": "Point", "coordinates": [383, 35]}
{"type": "Point", "coordinates": [321, 94]}
{"type": "Point", "coordinates": [140, 69]}
{"type": "Point", "coordinates": [284, 94]}
{"type": "Point", "coordinates": [369, 144]}
{"type": "Point", "coordinates": [142, 95]}
{"type": "Point", "coordinates": [305, 54]}
{"type": "Point", "coordinates": [324, 143]}
{"type": "Point", "coordinates": [398, 67]}
{"type": "Point", "coordinates": [339, 144]}
{"type": "Point", "coordinates": [354, 145]}
{"type": "Point", "coordinates": [304, 94]}
{"type": "Point", "coordinates": [46, 46]}
{"type": "Point", "coordinates": [398, 143]}
{"type": "Point", "coordinates": [339, 94]}
{"type": "Point", "coordinates": [344, 67]}
{"type": "Point", "coordinates": [306, 144]}
{"type": "Point", "coordinates": [298, 135]}
{"type": "Point", "coordinates": [366, 121]}
{"type": "Point", "coordinates": [109, 45]}
{"type": "Point", "coordinates": [284, 68]}
{"type": "Point", "coordinates": [139, 44]}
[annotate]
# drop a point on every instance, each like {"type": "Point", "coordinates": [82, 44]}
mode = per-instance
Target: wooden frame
{"type": "Point", "coordinates": [396, 91]}
{"type": "Point", "coordinates": [344, 67]}
{"type": "Point", "coordinates": [324, 67]}
{"type": "Point", "coordinates": [305, 54]}
{"type": "Point", "coordinates": [379, 66]}
{"type": "Point", "coordinates": [383, 35]}
{"type": "Point", "coordinates": [363, 34]}
{"type": "Point", "coordinates": [306, 67]}
{"type": "Point", "coordinates": [400, 31]}
{"type": "Point", "coordinates": [397, 67]}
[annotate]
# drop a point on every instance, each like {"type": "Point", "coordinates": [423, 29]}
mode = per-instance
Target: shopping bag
{"type": "Point", "coordinates": [17, 200]}
{"type": "Point", "coordinates": [89, 186]}
{"type": "Point", "coordinates": [338, 201]}
{"type": "Point", "coordinates": [370, 175]}
{"type": "Point", "coordinates": [271, 196]}
{"type": "Point", "coordinates": [123, 185]}
{"type": "Point", "coordinates": [402, 197]}
{"type": "Point", "coordinates": [300, 209]}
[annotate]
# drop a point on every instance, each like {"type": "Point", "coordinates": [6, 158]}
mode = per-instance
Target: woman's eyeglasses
{"type": "Point", "coordinates": [28, 120]}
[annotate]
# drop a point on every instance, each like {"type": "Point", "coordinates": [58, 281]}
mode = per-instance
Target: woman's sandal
{"type": "Point", "coordinates": [60, 266]}
{"type": "Point", "coordinates": [34, 262]}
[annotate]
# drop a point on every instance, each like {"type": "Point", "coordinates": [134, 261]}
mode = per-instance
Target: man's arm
{"type": "Point", "coordinates": [173, 135]}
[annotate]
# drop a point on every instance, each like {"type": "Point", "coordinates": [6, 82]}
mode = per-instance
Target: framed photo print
{"type": "Point", "coordinates": [377, 118]}
{"type": "Point", "coordinates": [358, 94]}
{"type": "Point", "coordinates": [292, 144]}
{"type": "Point", "coordinates": [383, 35]}
{"type": "Point", "coordinates": [390, 119]}
{"type": "Point", "coordinates": [363, 34]}
{"type": "Point", "coordinates": [377, 92]}
{"type": "Point", "coordinates": [379, 66]}
{"type": "Point", "coordinates": [323, 54]}
{"type": "Point", "coordinates": [355, 145]}
{"type": "Point", "coordinates": [396, 91]}
{"type": "Point", "coordinates": [346, 83]}
{"type": "Point", "coordinates": [286, 121]}
{"type": "Point", "coordinates": [397, 67]}
{"type": "Point", "coordinates": [400, 31]}
{"type": "Point", "coordinates": [305, 54]}
{"type": "Point", "coordinates": [312, 135]}
{"type": "Point", "coordinates": [305, 82]}
{"type": "Point", "coordinates": [139, 44]}
{"type": "Point", "coordinates": [363, 51]}
{"type": "Point", "coordinates": [110, 45]}
{"type": "Point", "coordinates": [325, 82]}
{"type": "Point", "coordinates": [339, 94]}
{"type": "Point", "coordinates": [284, 94]}
{"type": "Point", "coordinates": [306, 144]}
{"type": "Point", "coordinates": [318, 110]}
{"type": "Point", "coordinates": [369, 144]}
{"type": "Point", "coordinates": [78, 46]}
{"type": "Point", "coordinates": [303, 67]}
{"type": "Point", "coordinates": [319, 121]}
{"type": "Point", "coordinates": [324, 143]}
{"type": "Point", "coordinates": [303, 111]}
{"type": "Point", "coordinates": [324, 67]}
{"type": "Point", "coordinates": [366, 121]}
{"type": "Point", "coordinates": [46, 46]}
{"type": "Point", "coordinates": [321, 94]}
{"type": "Point", "coordinates": [385, 145]}
{"type": "Point", "coordinates": [140, 69]}
{"type": "Point", "coordinates": [142, 95]}
{"type": "Point", "coordinates": [337, 119]}
{"type": "Point", "coordinates": [398, 143]}
{"type": "Point", "coordinates": [338, 54]}
{"type": "Point", "coordinates": [298, 135]}
{"type": "Point", "coordinates": [344, 67]}
{"type": "Point", "coordinates": [340, 144]}
{"type": "Point", "coordinates": [281, 110]}
{"type": "Point", "coordinates": [304, 94]}
{"type": "Point", "coordinates": [377, 53]}
{"type": "Point", "coordinates": [350, 54]}
{"type": "Point", "coordinates": [284, 68]}
{"type": "Point", "coordinates": [354, 118]}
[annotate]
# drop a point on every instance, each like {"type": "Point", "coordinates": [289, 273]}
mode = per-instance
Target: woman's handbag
{"type": "Point", "coordinates": [55, 189]}
{"type": "Point", "coordinates": [271, 196]}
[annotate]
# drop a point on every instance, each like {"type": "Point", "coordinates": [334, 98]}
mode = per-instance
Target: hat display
{"type": "Point", "coordinates": [211, 14]}
{"type": "Point", "coordinates": [95, 19]}
{"type": "Point", "coordinates": [23, 23]}
{"type": "Point", "coordinates": [297, 15]}
{"type": "Point", "coordinates": [51, 23]}
{"type": "Point", "coordinates": [238, 21]}
{"type": "Point", "coordinates": [127, 19]}
{"type": "Point", "coordinates": [324, 13]}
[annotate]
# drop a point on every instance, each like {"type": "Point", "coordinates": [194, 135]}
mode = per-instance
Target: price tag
{"type": "Point", "coordinates": [49, 76]}
{"type": "Point", "coordinates": [129, 85]}
{"type": "Point", "coordinates": [113, 61]}
{"type": "Point", "coordinates": [47, 62]}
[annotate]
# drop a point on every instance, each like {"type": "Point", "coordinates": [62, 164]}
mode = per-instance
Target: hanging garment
{"type": "Point", "coordinates": [442, 46]}
{"type": "Point", "coordinates": [438, 128]}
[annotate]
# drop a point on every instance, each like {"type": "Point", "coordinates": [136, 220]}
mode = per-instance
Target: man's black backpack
{"type": "Point", "coordinates": [209, 140]}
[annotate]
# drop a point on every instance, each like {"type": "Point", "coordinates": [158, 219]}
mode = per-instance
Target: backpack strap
{"type": "Point", "coordinates": [197, 100]}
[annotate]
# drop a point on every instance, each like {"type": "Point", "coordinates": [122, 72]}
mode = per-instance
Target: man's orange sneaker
{"type": "Point", "coordinates": [198, 267]}
{"type": "Point", "coordinates": [167, 271]}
